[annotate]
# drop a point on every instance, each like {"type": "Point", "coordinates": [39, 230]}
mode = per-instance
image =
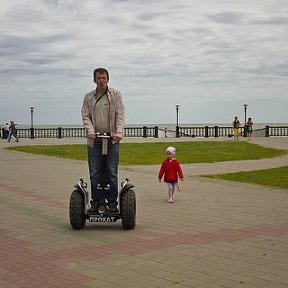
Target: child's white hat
{"type": "Point", "coordinates": [172, 150]}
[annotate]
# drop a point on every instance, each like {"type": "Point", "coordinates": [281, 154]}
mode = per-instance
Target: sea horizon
{"type": "Point", "coordinates": [160, 125]}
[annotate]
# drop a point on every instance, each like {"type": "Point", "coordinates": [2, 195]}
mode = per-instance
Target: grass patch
{"type": "Point", "coordinates": [277, 177]}
{"type": "Point", "coordinates": [154, 153]}
{"type": "Point", "coordinates": [76, 152]}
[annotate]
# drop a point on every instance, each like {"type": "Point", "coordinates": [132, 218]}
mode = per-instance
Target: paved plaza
{"type": "Point", "coordinates": [215, 234]}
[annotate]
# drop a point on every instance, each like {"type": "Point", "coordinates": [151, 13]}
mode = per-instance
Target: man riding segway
{"type": "Point", "coordinates": [103, 112]}
{"type": "Point", "coordinates": [103, 117]}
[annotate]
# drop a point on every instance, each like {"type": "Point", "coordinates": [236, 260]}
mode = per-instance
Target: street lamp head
{"type": "Point", "coordinates": [177, 106]}
{"type": "Point", "coordinates": [245, 105]}
{"type": "Point", "coordinates": [31, 107]}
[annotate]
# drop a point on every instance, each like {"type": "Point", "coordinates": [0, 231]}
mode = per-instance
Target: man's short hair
{"type": "Point", "coordinates": [101, 71]}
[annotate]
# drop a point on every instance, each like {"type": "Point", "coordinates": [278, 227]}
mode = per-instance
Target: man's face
{"type": "Point", "coordinates": [101, 81]}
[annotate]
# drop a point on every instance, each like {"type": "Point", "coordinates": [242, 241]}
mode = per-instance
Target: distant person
{"type": "Point", "coordinates": [236, 127]}
{"type": "Point", "coordinates": [6, 131]}
{"type": "Point", "coordinates": [171, 169]}
{"type": "Point", "coordinates": [16, 129]}
{"type": "Point", "coordinates": [103, 112]}
{"type": "Point", "coordinates": [12, 132]}
{"type": "Point", "coordinates": [249, 125]}
{"type": "Point", "coordinates": [2, 132]}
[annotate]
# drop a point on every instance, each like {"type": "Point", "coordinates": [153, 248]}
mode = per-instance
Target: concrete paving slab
{"type": "Point", "coordinates": [215, 234]}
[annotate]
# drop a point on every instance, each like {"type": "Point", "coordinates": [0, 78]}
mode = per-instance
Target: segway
{"type": "Point", "coordinates": [80, 202]}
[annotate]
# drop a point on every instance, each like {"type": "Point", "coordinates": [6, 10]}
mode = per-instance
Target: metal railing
{"type": "Point", "coordinates": [276, 131]}
{"type": "Point", "coordinates": [151, 132]}
{"type": "Point", "coordinates": [141, 132]}
{"type": "Point", "coordinates": [33, 133]}
{"type": "Point", "coordinates": [206, 131]}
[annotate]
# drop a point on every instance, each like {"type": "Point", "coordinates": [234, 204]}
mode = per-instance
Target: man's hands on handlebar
{"type": "Point", "coordinates": [116, 137]}
{"type": "Point", "coordinates": [91, 136]}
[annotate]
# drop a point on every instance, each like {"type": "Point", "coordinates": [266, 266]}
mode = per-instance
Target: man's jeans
{"type": "Point", "coordinates": [95, 170]}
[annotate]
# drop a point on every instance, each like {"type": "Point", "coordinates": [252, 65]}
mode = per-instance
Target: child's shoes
{"type": "Point", "coordinates": [170, 200]}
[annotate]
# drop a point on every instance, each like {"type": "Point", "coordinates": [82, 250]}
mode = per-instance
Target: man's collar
{"type": "Point", "coordinates": [101, 94]}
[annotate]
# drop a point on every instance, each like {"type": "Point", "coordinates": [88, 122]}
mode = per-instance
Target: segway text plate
{"type": "Point", "coordinates": [99, 218]}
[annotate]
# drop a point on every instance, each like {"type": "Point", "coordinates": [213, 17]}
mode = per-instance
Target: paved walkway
{"type": "Point", "coordinates": [216, 234]}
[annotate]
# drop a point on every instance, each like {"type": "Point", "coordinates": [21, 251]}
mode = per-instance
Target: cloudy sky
{"type": "Point", "coordinates": [208, 56]}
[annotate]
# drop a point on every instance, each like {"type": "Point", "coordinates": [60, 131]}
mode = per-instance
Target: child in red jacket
{"type": "Point", "coordinates": [171, 169]}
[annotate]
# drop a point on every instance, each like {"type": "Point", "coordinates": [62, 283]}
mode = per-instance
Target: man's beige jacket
{"type": "Point", "coordinates": [116, 111]}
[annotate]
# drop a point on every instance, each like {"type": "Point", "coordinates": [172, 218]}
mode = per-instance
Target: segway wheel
{"type": "Point", "coordinates": [128, 209]}
{"type": "Point", "coordinates": [76, 210]}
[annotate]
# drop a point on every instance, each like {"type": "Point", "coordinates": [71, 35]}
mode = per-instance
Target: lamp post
{"type": "Point", "coordinates": [31, 128]}
{"type": "Point", "coordinates": [177, 121]}
{"type": "Point", "coordinates": [245, 126]}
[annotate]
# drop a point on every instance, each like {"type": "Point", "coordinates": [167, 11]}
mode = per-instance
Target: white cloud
{"type": "Point", "coordinates": [158, 53]}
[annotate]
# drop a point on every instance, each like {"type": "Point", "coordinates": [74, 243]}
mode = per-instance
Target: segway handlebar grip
{"type": "Point", "coordinates": [103, 135]}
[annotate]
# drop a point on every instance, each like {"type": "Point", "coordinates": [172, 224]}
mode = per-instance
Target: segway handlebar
{"type": "Point", "coordinates": [103, 135]}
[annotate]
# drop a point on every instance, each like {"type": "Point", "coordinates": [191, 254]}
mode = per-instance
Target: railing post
{"type": "Point", "coordinates": [267, 131]}
{"type": "Point", "coordinates": [216, 131]}
{"type": "Point", "coordinates": [206, 132]}
{"type": "Point", "coordinates": [59, 132]}
{"type": "Point", "coordinates": [156, 131]}
{"type": "Point", "coordinates": [177, 132]}
{"type": "Point", "coordinates": [31, 133]}
{"type": "Point", "coordinates": [144, 132]}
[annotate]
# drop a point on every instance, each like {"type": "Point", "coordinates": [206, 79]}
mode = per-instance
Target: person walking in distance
{"type": "Point", "coordinates": [171, 169]}
{"type": "Point", "coordinates": [236, 126]}
{"type": "Point", "coordinates": [12, 132]}
{"type": "Point", "coordinates": [103, 112]}
{"type": "Point", "coordinates": [249, 125]}
{"type": "Point", "coordinates": [6, 131]}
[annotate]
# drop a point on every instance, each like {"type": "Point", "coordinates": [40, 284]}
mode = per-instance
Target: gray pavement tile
{"type": "Point", "coordinates": [216, 234]}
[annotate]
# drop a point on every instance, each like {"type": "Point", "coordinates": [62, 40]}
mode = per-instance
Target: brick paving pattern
{"type": "Point", "coordinates": [216, 233]}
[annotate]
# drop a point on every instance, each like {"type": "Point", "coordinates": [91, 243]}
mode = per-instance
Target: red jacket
{"type": "Point", "coordinates": [171, 170]}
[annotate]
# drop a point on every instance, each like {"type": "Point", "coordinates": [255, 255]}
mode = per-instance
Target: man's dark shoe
{"type": "Point", "coordinates": [113, 208]}
{"type": "Point", "coordinates": [93, 209]}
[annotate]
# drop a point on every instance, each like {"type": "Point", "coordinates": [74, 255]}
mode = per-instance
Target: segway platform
{"type": "Point", "coordinates": [80, 205]}
{"type": "Point", "coordinates": [80, 200]}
